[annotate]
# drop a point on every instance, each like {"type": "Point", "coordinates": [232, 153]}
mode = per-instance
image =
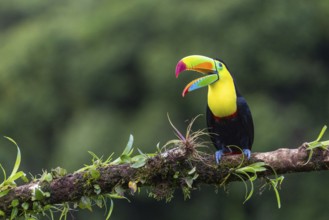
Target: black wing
{"type": "Point", "coordinates": [245, 117]}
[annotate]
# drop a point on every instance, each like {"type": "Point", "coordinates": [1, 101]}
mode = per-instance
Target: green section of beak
{"type": "Point", "coordinates": [200, 82]}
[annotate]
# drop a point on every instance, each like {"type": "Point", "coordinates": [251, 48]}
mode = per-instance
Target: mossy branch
{"type": "Point", "coordinates": [179, 166]}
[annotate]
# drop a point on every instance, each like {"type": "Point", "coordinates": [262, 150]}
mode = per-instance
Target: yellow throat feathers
{"type": "Point", "coordinates": [222, 99]}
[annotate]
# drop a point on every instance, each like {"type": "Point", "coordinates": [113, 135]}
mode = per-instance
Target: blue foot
{"type": "Point", "coordinates": [218, 155]}
{"type": "Point", "coordinates": [247, 152]}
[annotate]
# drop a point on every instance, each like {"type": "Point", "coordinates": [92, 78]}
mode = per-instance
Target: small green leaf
{"type": "Point", "coordinates": [192, 171]}
{"type": "Point", "coordinates": [2, 213]}
{"type": "Point", "coordinates": [94, 173]}
{"type": "Point", "coordinates": [128, 150]}
{"type": "Point", "coordinates": [277, 195]}
{"type": "Point", "coordinates": [276, 183]}
{"type": "Point", "coordinates": [253, 168]}
{"type": "Point", "coordinates": [97, 189]}
{"type": "Point", "coordinates": [116, 196]}
{"type": "Point", "coordinates": [14, 203]}
{"type": "Point", "coordinates": [95, 157]}
{"type": "Point", "coordinates": [158, 147]}
{"type": "Point", "coordinates": [325, 144]}
{"type": "Point", "coordinates": [317, 144]}
{"type": "Point", "coordinates": [189, 181]}
{"type": "Point", "coordinates": [25, 205]}
{"type": "Point", "coordinates": [16, 176]}
{"type": "Point", "coordinates": [138, 161]}
{"type": "Point", "coordinates": [99, 201]}
{"type": "Point", "coordinates": [35, 205]}
{"type": "Point", "coordinates": [195, 176]}
{"type": "Point", "coordinates": [38, 194]}
{"type": "Point", "coordinates": [24, 178]}
{"type": "Point", "coordinates": [246, 169]}
{"type": "Point", "coordinates": [110, 211]}
{"type": "Point", "coordinates": [309, 157]}
{"type": "Point", "coordinates": [13, 214]}
{"type": "Point", "coordinates": [85, 203]}
{"type": "Point", "coordinates": [4, 173]}
{"type": "Point", "coordinates": [47, 207]}
{"type": "Point", "coordinates": [46, 177]}
{"type": "Point", "coordinates": [259, 169]}
{"type": "Point", "coordinates": [125, 158]}
{"type": "Point", "coordinates": [258, 164]}
{"type": "Point", "coordinates": [3, 193]}
{"type": "Point", "coordinates": [139, 157]}
{"type": "Point", "coordinates": [251, 192]}
{"type": "Point", "coordinates": [18, 157]}
{"type": "Point", "coordinates": [46, 194]}
{"type": "Point", "coordinates": [323, 130]}
{"type": "Point", "coordinates": [58, 172]}
{"type": "Point", "coordinates": [138, 164]}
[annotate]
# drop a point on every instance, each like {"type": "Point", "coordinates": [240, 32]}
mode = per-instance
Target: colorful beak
{"type": "Point", "coordinates": [201, 64]}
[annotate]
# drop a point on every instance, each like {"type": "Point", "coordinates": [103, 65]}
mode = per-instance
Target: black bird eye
{"type": "Point", "coordinates": [219, 65]}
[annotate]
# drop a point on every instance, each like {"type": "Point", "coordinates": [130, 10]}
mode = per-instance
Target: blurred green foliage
{"type": "Point", "coordinates": [83, 75]}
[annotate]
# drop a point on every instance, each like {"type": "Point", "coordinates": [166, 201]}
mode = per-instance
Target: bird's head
{"type": "Point", "coordinates": [211, 68]}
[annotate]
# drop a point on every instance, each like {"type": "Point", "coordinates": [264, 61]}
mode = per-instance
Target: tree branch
{"type": "Point", "coordinates": [163, 173]}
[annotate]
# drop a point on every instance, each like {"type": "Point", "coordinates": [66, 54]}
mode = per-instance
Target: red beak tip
{"type": "Point", "coordinates": [181, 66]}
{"type": "Point", "coordinates": [184, 92]}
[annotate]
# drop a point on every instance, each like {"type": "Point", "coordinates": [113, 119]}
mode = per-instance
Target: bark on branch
{"type": "Point", "coordinates": [163, 173]}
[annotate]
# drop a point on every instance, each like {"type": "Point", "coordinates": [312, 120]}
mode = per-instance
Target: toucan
{"type": "Point", "coordinates": [229, 120]}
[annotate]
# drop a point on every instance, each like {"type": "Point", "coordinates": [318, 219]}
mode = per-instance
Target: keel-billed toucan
{"type": "Point", "coordinates": [229, 119]}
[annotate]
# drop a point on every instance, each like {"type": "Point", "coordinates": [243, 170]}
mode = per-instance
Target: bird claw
{"type": "Point", "coordinates": [218, 155]}
{"type": "Point", "coordinates": [247, 152]}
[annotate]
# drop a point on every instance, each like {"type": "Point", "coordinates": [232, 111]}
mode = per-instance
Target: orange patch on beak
{"type": "Point", "coordinates": [204, 65]}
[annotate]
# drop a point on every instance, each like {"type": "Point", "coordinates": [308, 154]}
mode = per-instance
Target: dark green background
{"type": "Point", "coordinates": [83, 75]}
